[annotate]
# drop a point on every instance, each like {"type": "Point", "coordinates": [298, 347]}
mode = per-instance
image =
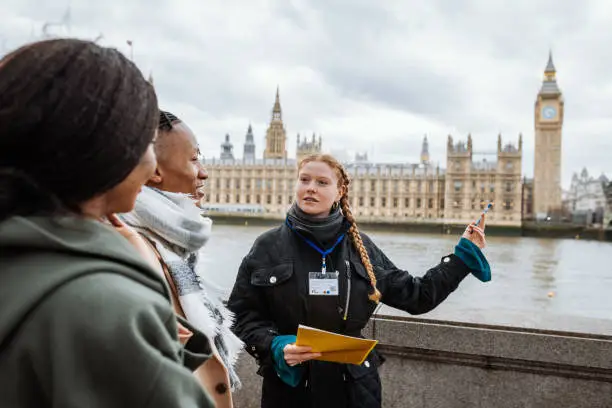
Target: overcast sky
{"type": "Point", "coordinates": [371, 75]}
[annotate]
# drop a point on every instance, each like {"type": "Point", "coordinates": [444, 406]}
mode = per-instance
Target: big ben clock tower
{"type": "Point", "coordinates": [548, 126]}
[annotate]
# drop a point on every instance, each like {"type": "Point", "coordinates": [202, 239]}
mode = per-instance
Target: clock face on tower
{"type": "Point", "coordinates": [549, 112]}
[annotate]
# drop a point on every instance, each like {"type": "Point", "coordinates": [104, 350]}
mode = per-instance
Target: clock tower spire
{"type": "Point", "coordinates": [276, 135]}
{"type": "Point", "coordinates": [548, 117]}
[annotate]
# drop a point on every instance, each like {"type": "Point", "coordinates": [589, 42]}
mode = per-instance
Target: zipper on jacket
{"type": "Point", "coordinates": [348, 288]}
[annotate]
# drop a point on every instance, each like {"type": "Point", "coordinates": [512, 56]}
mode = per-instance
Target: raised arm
{"type": "Point", "coordinates": [415, 295]}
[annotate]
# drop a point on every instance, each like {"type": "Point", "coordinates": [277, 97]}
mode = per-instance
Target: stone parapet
{"type": "Point", "coordinates": [434, 363]}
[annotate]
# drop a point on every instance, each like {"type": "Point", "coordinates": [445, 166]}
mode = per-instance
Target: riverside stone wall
{"type": "Point", "coordinates": [453, 365]}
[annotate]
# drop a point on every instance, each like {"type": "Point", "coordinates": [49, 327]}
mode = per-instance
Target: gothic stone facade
{"type": "Point", "coordinates": [380, 192]}
{"type": "Point", "coordinates": [588, 199]}
{"type": "Point", "coordinates": [472, 184]}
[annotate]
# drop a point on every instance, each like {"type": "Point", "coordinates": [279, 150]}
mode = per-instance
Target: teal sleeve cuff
{"type": "Point", "coordinates": [475, 260]}
{"type": "Point", "coordinates": [290, 375]}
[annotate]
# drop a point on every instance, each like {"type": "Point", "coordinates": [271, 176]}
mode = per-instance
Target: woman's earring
{"type": "Point", "coordinates": [335, 206]}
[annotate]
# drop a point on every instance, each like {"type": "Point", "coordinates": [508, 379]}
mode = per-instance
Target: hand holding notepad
{"type": "Point", "coordinates": [335, 347]}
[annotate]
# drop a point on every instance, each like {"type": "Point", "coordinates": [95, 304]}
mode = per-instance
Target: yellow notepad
{"type": "Point", "coordinates": [335, 347]}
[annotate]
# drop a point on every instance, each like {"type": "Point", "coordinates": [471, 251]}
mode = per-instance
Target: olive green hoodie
{"type": "Point", "coordinates": [84, 322]}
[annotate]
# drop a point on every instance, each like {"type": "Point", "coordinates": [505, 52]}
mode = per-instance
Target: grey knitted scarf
{"type": "Point", "coordinates": [179, 231]}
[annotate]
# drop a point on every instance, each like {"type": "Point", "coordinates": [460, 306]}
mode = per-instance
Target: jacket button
{"type": "Point", "coordinates": [272, 279]}
{"type": "Point", "coordinates": [221, 388]}
{"type": "Point", "coordinates": [367, 364]}
{"type": "Point", "coordinates": [253, 348]}
{"type": "Point", "coordinates": [446, 260]}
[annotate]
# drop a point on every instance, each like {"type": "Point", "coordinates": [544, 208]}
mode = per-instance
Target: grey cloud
{"type": "Point", "coordinates": [372, 71]}
{"type": "Point", "coordinates": [469, 66]}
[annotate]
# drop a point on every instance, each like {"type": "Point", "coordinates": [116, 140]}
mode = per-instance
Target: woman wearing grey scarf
{"type": "Point", "coordinates": [318, 269]}
{"type": "Point", "coordinates": [166, 214]}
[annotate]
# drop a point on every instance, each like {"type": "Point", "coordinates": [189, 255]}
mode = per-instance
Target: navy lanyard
{"type": "Point", "coordinates": [323, 253]}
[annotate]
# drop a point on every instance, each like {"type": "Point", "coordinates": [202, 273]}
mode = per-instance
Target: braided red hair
{"type": "Point", "coordinates": [343, 184]}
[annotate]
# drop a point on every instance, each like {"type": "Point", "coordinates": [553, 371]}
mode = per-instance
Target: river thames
{"type": "Point", "coordinates": [535, 282]}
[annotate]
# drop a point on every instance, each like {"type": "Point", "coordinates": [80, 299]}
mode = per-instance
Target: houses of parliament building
{"type": "Point", "coordinates": [403, 192]}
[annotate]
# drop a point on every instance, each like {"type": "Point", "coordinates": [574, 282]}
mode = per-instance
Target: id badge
{"type": "Point", "coordinates": [323, 284]}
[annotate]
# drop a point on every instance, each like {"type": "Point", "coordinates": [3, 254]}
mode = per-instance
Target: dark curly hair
{"type": "Point", "coordinates": [75, 120]}
{"type": "Point", "coordinates": [167, 121]}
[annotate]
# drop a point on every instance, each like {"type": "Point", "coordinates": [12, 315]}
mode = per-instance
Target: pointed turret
{"type": "Point", "coordinates": [550, 66]}
{"type": "Point", "coordinates": [249, 145]}
{"type": "Point", "coordinates": [549, 84]}
{"type": "Point", "coordinates": [276, 111]}
{"type": "Point", "coordinates": [227, 149]}
{"type": "Point", "coordinates": [425, 151]}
